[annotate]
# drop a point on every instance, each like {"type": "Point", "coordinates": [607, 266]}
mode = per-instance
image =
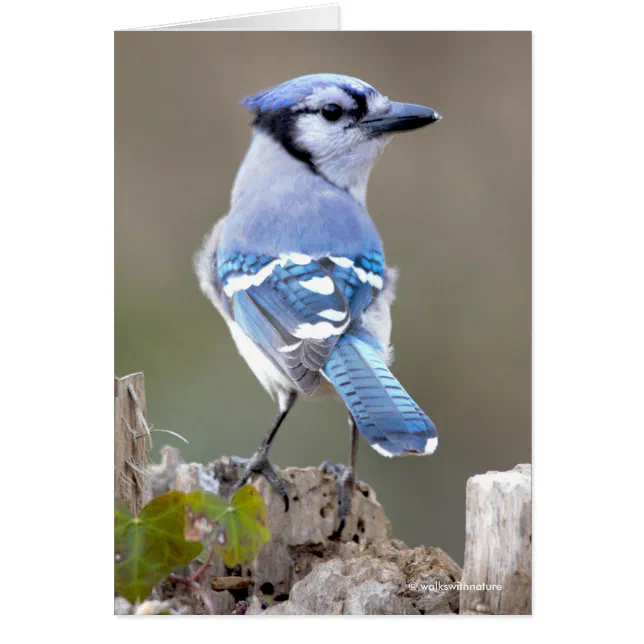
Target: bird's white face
{"type": "Point", "coordinates": [336, 125]}
{"type": "Point", "coordinates": [328, 127]}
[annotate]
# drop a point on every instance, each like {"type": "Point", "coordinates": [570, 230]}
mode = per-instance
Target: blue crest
{"type": "Point", "coordinates": [291, 92]}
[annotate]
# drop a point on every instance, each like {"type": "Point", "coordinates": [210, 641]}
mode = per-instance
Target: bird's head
{"type": "Point", "coordinates": [337, 125]}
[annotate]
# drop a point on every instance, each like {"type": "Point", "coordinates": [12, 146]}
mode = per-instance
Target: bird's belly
{"type": "Point", "coordinates": [270, 377]}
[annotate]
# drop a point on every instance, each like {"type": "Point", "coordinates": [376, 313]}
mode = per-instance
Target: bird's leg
{"type": "Point", "coordinates": [345, 480]}
{"type": "Point", "coordinates": [259, 463]}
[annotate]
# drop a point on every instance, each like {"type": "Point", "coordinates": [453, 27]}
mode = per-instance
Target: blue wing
{"type": "Point", "coordinates": [296, 308]}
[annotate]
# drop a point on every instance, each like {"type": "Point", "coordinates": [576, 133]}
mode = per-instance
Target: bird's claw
{"type": "Point", "coordinates": [259, 464]}
{"type": "Point", "coordinates": [344, 478]}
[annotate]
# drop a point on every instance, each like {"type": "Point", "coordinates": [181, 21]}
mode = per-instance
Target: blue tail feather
{"type": "Point", "coordinates": [385, 414]}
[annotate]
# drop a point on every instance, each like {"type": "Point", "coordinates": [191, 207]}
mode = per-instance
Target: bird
{"type": "Point", "coordinates": [297, 268]}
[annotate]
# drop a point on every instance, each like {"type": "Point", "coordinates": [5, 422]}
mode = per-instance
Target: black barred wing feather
{"type": "Point", "coordinates": [296, 314]}
{"type": "Point", "coordinates": [295, 308]}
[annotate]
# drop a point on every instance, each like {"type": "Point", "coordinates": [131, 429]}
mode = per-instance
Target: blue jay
{"type": "Point", "coordinates": [297, 269]}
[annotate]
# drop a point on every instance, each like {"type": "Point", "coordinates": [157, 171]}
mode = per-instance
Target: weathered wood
{"type": "Point", "coordinates": [230, 583]}
{"type": "Point", "coordinates": [131, 440]}
{"type": "Point", "coordinates": [364, 572]}
{"type": "Point", "coordinates": [497, 575]}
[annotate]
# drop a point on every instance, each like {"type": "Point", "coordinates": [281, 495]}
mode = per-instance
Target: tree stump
{"type": "Point", "coordinates": [131, 441]}
{"type": "Point", "coordinates": [497, 575]}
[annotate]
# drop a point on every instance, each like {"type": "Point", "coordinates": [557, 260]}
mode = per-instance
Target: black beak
{"type": "Point", "coordinates": [401, 118]}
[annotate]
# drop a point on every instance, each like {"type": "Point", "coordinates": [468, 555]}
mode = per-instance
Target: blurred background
{"type": "Point", "coordinates": [451, 202]}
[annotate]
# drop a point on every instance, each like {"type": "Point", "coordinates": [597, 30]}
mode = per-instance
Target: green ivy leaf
{"type": "Point", "coordinates": [236, 531]}
{"type": "Point", "coordinates": [149, 547]}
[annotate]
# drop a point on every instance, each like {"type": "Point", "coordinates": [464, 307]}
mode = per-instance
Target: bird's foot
{"type": "Point", "coordinates": [258, 463]}
{"type": "Point", "coordinates": [344, 479]}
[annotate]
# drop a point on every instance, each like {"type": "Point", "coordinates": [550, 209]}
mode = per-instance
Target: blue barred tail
{"type": "Point", "coordinates": [384, 412]}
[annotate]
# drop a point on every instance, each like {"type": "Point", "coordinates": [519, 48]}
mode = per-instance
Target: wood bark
{"type": "Point", "coordinates": [131, 441]}
{"type": "Point", "coordinates": [497, 575]}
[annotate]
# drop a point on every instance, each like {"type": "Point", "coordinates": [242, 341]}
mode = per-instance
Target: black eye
{"type": "Point", "coordinates": [331, 112]}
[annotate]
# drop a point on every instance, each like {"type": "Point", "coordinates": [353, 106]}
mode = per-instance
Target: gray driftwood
{"type": "Point", "coordinates": [300, 571]}
{"type": "Point", "coordinates": [497, 574]}
{"type": "Point", "coordinates": [131, 441]}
